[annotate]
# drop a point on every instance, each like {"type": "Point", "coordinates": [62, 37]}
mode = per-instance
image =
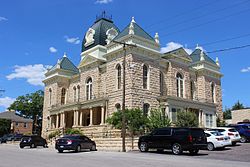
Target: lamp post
{"type": "Point", "coordinates": [123, 93]}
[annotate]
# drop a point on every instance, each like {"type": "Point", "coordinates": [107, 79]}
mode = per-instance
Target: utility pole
{"type": "Point", "coordinates": [123, 93]}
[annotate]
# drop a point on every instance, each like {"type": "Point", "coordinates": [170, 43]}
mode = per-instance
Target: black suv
{"type": "Point", "coordinates": [33, 141]}
{"type": "Point", "coordinates": [75, 142]}
{"type": "Point", "coordinates": [176, 139]}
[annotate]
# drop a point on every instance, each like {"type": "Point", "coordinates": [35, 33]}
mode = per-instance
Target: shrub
{"type": "Point", "coordinates": [71, 131]}
{"type": "Point", "coordinates": [54, 134]}
{"type": "Point", "coordinates": [187, 119]}
{"type": "Point", "coordinates": [157, 119]}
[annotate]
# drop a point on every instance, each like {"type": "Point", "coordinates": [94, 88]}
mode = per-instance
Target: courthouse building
{"type": "Point", "coordinates": [84, 95]}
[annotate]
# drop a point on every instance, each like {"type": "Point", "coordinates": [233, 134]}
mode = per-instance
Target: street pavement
{"type": "Point", "coordinates": [13, 156]}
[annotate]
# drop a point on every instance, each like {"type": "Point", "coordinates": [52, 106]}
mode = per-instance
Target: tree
{"type": "Point", "coordinates": [220, 122]}
{"type": "Point", "coordinates": [227, 114]}
{"type": "Point", "coordinates": [157, 119]}
{"type": "Point", "coordinates": [30, 106]}
{"type": "Point", "coordinates": [135, 121]}
{"type": "Point", "coordinates": [186, 119]}
{"type": "Point", "coordinates": [238, 106]}
{"type": "Point", "coordinates": [4, 126]}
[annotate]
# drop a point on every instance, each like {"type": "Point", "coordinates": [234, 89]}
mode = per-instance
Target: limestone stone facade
{"type": "Point", "coordinates": [84, 96]}
{"type": "Point", "coordinates": [242, 115]}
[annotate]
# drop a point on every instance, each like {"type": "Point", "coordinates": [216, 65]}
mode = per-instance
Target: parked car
{"type": "Point", "coordinates": [244, 131]}
{"type": "Point", "coordinates": [176, 139]}
{"type": "Point", "coordinates": [33, 141]}
{"type": "Point", "coordinates": [216, 140]}
{"type": "Point", "coordinates": [228, 131]}
{"type": "Point", "coordinates": [3, 140]}
{"type": "Point", "coordinates": [75, 142]}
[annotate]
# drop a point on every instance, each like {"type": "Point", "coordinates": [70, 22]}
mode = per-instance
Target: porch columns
{"type": "Point", "coordinates": [51, 122]}
{"type": "Point", "coordinates": [167, 111]}
{"type": "Point", "coordinates": [74, 120]}
{"type": "Point", "coordinates": [63, 120]}
{"type": "Point", "coordinates": [57, 121]}
{"type": "Point", "coordinates": [102, 115]}
{"type": "Point", "coordinates": [77, 117]}
{"type": "Point", "coordinates": [81, 118]}
{"type": "Point", "coordinates": [91, 117]}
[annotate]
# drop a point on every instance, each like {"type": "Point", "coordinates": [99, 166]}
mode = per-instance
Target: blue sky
{"type": "Point", "coordinates": [35, 34]}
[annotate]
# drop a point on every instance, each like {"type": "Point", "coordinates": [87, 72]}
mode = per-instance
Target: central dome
{"type": "Point", "coordinates": [100, 33]}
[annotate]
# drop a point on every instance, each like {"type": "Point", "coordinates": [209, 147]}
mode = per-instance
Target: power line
{"type": "Point", "coordinates": [180, 14]}
{"type": "Point", "coordinates": [227, 49]}
{"type": "Point", "coordinates": [200, 16]}
{"type": "Point", "coordinates": [208, 22]}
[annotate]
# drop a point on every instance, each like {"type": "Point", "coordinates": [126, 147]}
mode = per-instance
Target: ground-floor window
{"type": "Point", "coordinates": [174, 112]}
{"type": "Point", "coordinates": [209, 120]}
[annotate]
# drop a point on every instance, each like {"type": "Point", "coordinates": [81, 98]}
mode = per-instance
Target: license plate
{"type": "Point", "coordinates": [61, 146]}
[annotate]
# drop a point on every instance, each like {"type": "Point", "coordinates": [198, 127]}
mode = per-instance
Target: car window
{"type": "Point", "coordinates": [164, 132]}
{"type": "Point", "coordinates": [246, 126]}
{"type": "Point", "coordinates": [232, 130]}
{"type": "Point", "coordinates": [197, 132]}
{"type": "Point", "coordinates": [208, 135]}
{"type": "Point", "coordinates": [181, 132]}
{"type": "Point", "coordinates": [216, 133]}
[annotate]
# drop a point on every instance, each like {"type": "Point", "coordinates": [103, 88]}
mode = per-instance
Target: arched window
{"type": "Point", "coordinates": [78, 93]}
{"type": "Point", "coordinates": [63, 93]}
{"type": "Point", "coordinates": [145, 76]}
{"type": "Point", "coordinates": [161, 82]}
{"type": "Point", "coordinates": [179, 85]}
{"type": "Point", "coordinates": [213, 92]}
{"type": "Point", "coordinates": [192, 90]}
{"type": "Point", "coordinates": [89, 89]}
{"type": "Point", "coordinates": [145, 109]}
{"type": "Point", "coordinates": [74, 89]}
{"type": "Point", "coordinates": [118, 107]}
{"type": "Point", "coordinates": [50, 96]}
{"type": "Point", "coordinates": [119, 77]}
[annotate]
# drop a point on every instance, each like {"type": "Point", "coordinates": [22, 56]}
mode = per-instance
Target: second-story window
{"type": "Point", "coordinates": [78, 93]}
{"type": "Point", "coordinates": [213, 92]}
{"type": "Point", "coordinates": [145, 77]}
{"type": "Point", "coordinates": [89, 89]}
{"type": "Point", "coordinates": [63, 94]}
{"type": "Point", "coordinates": [119, 76]}
{"type": "Point", "coordinates": [179, 85]}
{"type": "Point", "coordinates": [74, 91]}
{"type": "Point", "coordinates": [161, 82]}
{"type": "Point", "coordinates": [192, 90]}
{"type": "Point", "coordinates": [50, 96]}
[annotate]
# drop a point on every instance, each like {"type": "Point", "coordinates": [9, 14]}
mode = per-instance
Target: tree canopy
{"type": "Point", "coordinates": [187, 119]}
{"type": "Point", "coordinates": [30, 106]}
{"type": "Point", "coordinates": [4, 126]}
{"type": "Point", "coordinates": [157, 119]}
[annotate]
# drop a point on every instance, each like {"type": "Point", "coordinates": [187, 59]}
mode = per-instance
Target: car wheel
{"type": "Point", "coordinates": [233, 143]}
{"type": "Point", "coordinates": [78, 148]}
{"type": "Point", "coordinates": [143, 147]}
{"type": "Point", "coordinates": [60, 151]}
{"type": "Point", "coordinates": [193, 152]}
{"type": "Point", "coordinates": [176, 149]}
{"type": "Point", "coordinates": [21, 146]}
{"type": "Point", "coordinates": [45, 146]}
{"type": "Point", "coordinates": [32, 145]}
{"type": "Point", "coordinates": [93, 148]}
{"type": "Point", "coordinates": [210, 146]}
{"type": "Point", "coordinates": [243, 139]}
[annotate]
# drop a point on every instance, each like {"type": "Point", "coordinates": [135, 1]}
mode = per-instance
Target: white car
{"type": "Point", "coordinates": [216, 140]}
{"type": "Point", "coordinates": [231, 132]}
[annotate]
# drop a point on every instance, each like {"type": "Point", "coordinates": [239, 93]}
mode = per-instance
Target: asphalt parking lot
{"type": "Point", "coordinates": [12, 156]}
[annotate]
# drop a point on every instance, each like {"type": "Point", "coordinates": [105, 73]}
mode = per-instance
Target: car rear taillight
{"type": "Point", "coordinates": [220, 138]}
{"type": "Point", "coordinates": [190, 138]}
{"type": "Point", "coordinates": [230, 134]}
{"type": "Point", "coordinates": [69, 141]}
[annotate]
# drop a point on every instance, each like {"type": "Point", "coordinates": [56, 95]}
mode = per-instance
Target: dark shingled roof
{"type": "Point", "coordinates": [100, 26]}
{"type": "Point", "coordinates": [66, 64]}
{"type": "Point", "coordinates": [11, 115]}
{"type": "Point", "coordinates": [196, 56]}
{"type": "Point", "coordinates": [138, 31]}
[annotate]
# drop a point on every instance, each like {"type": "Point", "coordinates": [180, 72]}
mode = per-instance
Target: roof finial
{"type": "Point", "coordinates": [217, 61]}
{"type": "Point", "coordinates": [64, 55]}
{"type": "Point", "coordinates": [202, 58]}
{"type": "Point", "coordinates": [197, 46]}
{"type": "Point", "coordinates": [131, 28]}
{"type": "Point", "coordinates": [157, 38]}
{"type": "Point", "coordinates": [58, 64]}
{"type": "Point", "coordinates": [133, 20]}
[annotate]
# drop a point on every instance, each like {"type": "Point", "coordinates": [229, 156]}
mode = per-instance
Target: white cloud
{"type": "Point", "coordinates": [33, 73]}
{"type": "Point", "coordinates": [6, 101]}
{"type": "Point", "coordinates": [103, 1]}
{"type": "Point", "coordinates": [72, 40]}
{"type": "Point", "coordinates": [245, 69]}
{"type": "Point", "coordinates": [52, 49]}
{"type": "Point", "coordinates": [3, 18]}
{"type": "Point", "coordinates": [174, 45]}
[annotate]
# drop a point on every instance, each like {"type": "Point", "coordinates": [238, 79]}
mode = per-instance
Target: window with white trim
{"type": "Point", "coordinates": [179, 85]}
{"type": "Point", "coordinates": [89, 89]}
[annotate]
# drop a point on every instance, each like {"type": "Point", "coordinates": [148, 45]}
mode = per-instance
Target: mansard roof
{"type": "Point", "coordinates": [65, 64]}
{"type": "Point", "coordinates": [138, 31]}
{"type": "Point", "coordinates": [196, 56]}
